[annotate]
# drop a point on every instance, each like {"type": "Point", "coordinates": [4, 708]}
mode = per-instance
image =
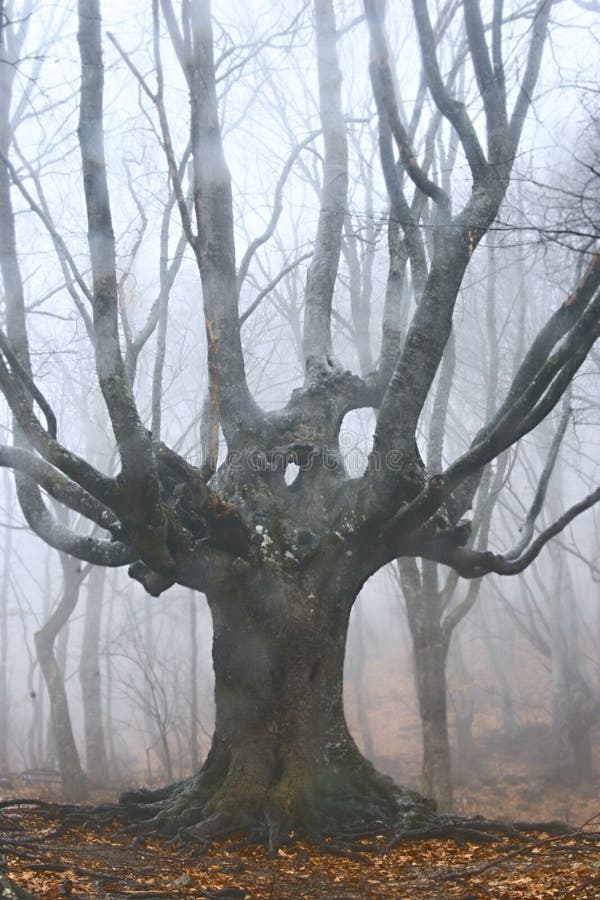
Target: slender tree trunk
{"type": "Point", "coordinates": [430, 651]}
{"type": "Point", "coordinates": [115, 765]}
{"type": "Point", "coordinates": [74, 785]}
{"type": "Point", "coordinates": [501, 663]}
{"type": "Point", "coordinates": [430, 668]}
{"type": "Point", "coordinates": [41, 742]}
{"type": "Point", "coordinates": [61, 647]}
{"type": "Point", "coordinates": [90, 680]}
{"type": "Point", "coordinates": [157, 739]}
{"type": "Point", "coordinates": [464, 706]}
{"type": "Point", "coordinates": [4, 590]}
{"type": "Point", "coordinates": [194, 756]}
{"type": "Point", "coordinates": [571, 696]}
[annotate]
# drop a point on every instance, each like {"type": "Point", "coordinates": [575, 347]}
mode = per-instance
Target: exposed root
{"type": "Point", "coordinates": [554, 827]}
{"type": "Point", "coordinates": [476, 830]}
{"type": "Point", "coordinates": [323, 807]}
{"type": "Point", "coordinates": [333, 808]}
{"type": "Point", "coordinates": [12, 891]}
{"type": "Point", "coordinates": [557, 838]}
{"type": "Point", "coordinates": [25, 801]}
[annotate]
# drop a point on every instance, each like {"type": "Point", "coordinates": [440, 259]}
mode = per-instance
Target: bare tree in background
{"type": "Point", "coordinates": [282, 564]}
{"type": "Point", "coordinates": [96, 757]}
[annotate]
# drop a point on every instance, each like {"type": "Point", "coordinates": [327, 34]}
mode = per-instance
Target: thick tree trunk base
{"type": "Point", "coordinates": [352, 798]}
{"type": "Point", "coordinates": [203, 809]}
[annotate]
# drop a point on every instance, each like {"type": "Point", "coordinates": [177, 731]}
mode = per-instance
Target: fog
{"type": "Point", "coordinates": [464, 678]}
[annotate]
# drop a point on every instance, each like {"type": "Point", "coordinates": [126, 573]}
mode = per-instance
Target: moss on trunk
{"type": "Point", "coordinates": [282, 759]}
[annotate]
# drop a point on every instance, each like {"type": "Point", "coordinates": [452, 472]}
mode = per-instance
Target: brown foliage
{"type": "Point", "coordinates": [51, 861]}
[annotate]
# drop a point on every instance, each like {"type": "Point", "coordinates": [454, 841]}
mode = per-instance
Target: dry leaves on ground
{"type": "Point", "coordinates": [51, 861]}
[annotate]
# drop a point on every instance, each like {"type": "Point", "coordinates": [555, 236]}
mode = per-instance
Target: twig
{"type": "Point", "coordinates": [577, 834]}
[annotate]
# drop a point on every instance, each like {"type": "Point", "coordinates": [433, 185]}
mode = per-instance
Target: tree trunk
{"type": "Point", "coordinates": [282, 757]}
{"type": "Point", "coordinates": [115, 763]}
{"type": "Point", "coordinates": [501, 661]}
{"type": "Point", "coordinates": [4, 589]}
{"type": "Point", "coordinates": [430, 669]}
{"type": "Point", "coordinates": [194, 755]}
{"type": "Point", "coordinates": [73, 781]}
{"type": "Point", "coordinates": [74, 785]}
{"type": "Point", "coordinates": [61, 644]}
{"type": "Point", "coordinates": [464, 707]}
{"type": "Point", "coordinates": [430, 651]}
{"type": "Point", "coordinates": [90, 680]}
{"type": "Point", "coordinates": [571, 694]}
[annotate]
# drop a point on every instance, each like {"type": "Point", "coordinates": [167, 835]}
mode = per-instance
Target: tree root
{"type": "Point", "coordinates": [25, 801]}
{"type": "Point", "coordinates": [352, 802]}
{"type": "Point", "coordinates": [10, 891]}
{"type": "Point", "coordinates": [477, 831]}
{"type": "Point", "coordinates": [556, 838]}
{"type": "Point", "coordinates": [332, 809]}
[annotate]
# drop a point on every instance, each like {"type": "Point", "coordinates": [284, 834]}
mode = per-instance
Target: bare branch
{"type": "Point", "coordinates": [534, 58]}
{"type": "Point", "coordinates": [167, 274]}
{"type": "Point", "coordinates": [161, 307]}
{"type": "Point", "coordinates": [439, 412]}
{"type": "Point", "coordinates": [451, 109]}
{"type": "Point", "coordinates": [273, 284]}
{"type": "Point", "coordinates": [59, 487]}
{"type": "Point", "coordinates": [54, 533]}
{"type": "Point", "coordinates": [276, 213]}
{"type": "Point", "coordinates": [67, 264]}
{"type": "Point", "coordinates": [76, 468]}
{"type": "Point", "coordinates": [20, 372]}
{"type": "Point", "coordinates": [524, 412]}
{"type": "Point", "coordinates": [490, 79]}
{"type": "Point", "coordinates": [475, 563]}
{"type": "Point", "coordinates": [385, 98]}
{"type": "Point", "coordinates": [540, 494]}
{"type": "Point", "coordinates": [177, 40]}
{"type": "Point", "coordinates": [142, 508]}
{"type": "Point", "coordinates": [215, 247]}
{"type": "Point", "coordinates": [175, 171]}
{"type": "Point", "coordinates": [323, 268]}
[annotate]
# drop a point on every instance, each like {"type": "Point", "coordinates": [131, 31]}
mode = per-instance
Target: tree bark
{"type": "Point", "coordinates": [282, 758]}
{"type": "Point", "coordinates": [194, 756]}
{"type": "Point", "coordinates": [4, 589]}
{"type": "Point", "coordinates": [74, 784]}
{"type": "Point", "coordinates": [430, 652]}
{"type": "Point", "coordinates": [464, 707]}
{"type": "Point", "coordinates": [571, 695]}
{"type": "Point", "coordinates": [90, 680]}
{"type": "Point", "coordinates": [115, 764]}
{"type": "Point", "coordinates": [430, 669]}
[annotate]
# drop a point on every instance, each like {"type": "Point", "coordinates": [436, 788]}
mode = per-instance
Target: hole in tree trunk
{"type": "Point", "coordinates": [292, 470]}
{"type": "Point", "coordinates": [355, 439]}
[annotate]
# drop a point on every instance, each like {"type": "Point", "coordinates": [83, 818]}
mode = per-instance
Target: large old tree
{"type": "Point", "coordinates": [282, 563]}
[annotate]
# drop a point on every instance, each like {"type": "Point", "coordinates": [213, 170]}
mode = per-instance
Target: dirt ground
{"type": "Point", "coordinates": [52, 862]}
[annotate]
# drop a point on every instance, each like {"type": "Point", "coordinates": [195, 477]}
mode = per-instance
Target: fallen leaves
{"type": "Point", "coordinates": [52, 862]}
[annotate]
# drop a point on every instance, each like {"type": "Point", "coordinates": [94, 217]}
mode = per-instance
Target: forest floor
{"type": "Point", "coordinates": [47, 860]}
{"type": "Point", "coordinates": [52, 862]}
